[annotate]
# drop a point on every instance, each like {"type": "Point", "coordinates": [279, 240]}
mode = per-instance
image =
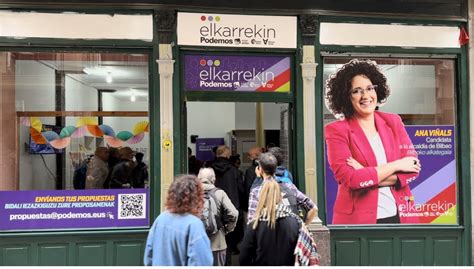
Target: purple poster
{"type": "Point", "coordinates": [73, 209]}
{"type": "Point", "coordinates": [204, 148]}
{"type": "Point", "coordinates": [237, 73]}
{"type": "Point", "coordinates": [434, 191]}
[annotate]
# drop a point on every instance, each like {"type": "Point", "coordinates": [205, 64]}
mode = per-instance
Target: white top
{"type": "Point", "coordinates": [387, 206]}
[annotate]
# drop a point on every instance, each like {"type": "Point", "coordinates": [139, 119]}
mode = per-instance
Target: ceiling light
{"type": "Point", "coordinates": [108, 78]}
{"type": "Point", "coordinates": [133, 95]}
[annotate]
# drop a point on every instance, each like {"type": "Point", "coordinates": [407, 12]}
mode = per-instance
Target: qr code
{"type": "Point", "coordinates": [132, 206]}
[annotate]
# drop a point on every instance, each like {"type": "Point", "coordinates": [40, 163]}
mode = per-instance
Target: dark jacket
{"type": "Point", "coordinates": [228, 179]}
{"type": "Point", "coordinates": [139, 175]}
{"type": "Point", "coordinates": [249, 178]}
{"type": "Point", "coordinates": [121, 174]}
{"type": "Point", "coordinates": [264, 246]}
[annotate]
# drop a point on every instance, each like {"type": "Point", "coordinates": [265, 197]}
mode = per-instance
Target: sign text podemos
{"type": "Point", "coordinates": [226, 30]}
{"type": "Point", "coordinates": [73, 209]}
{"type": "Point", "coordinates": [237, 73]}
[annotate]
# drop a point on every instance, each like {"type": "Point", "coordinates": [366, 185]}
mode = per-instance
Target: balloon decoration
{"type": "Point", "coordinates": [84, 126]}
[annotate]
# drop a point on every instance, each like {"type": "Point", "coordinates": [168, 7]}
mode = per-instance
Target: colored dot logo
{"type": "Point", "coordinates": [210, 18]}
{"type": "Point", "coordinates": [204, 62]}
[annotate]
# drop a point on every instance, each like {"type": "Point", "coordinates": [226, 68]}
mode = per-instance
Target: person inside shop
{"type": "Point", "coordinates": [114, 159]}
{"type": "Point", "coordinates": [235, 160]}
{"type": "Point", "coordinates": [194, 164]}
{"type": "Point", "coordinates": [177, 237]}
{"type": "Point", "coordinates": [369, 151]}
{"type": "Point", "coordinates": [140, 172]}
{"type": "Point", "coordinates": [121, 177]}
{"type": "Point", "coordinates": [97, 169]}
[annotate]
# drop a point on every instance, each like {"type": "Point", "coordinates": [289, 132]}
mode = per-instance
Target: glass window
{"type": "Point", "coordinates": [423, 94]}
{"type": "Point", "coordinates": [76, 140]}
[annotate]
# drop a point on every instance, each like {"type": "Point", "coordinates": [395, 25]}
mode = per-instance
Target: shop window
{"type": "Point", "coordinates": [75, 147]}
{"type": "Point", "coordinates": [423, 94]}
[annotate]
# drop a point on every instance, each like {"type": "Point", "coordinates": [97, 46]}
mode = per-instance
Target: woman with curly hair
{"type": "Point", "coordinates": [178, 237]}
{"type": "Point", "coordinates": [369, 151]}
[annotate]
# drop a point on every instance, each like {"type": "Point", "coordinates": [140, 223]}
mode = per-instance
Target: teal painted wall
{"type": "Point", "coordinates": [397, 247]}
{"type": "Point", "coordinates": [80, 249]}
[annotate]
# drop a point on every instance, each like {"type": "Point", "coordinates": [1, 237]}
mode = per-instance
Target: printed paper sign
{"type": "Point", "coordinates": [237, 73]}
{"type": "Point", "coordinates": [204, 148]}
{"type": "Point", "coordinates": [225, 30]}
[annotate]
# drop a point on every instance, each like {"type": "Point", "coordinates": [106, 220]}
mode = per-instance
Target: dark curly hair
{"type": "Point", "coordinates": [339, 84]}
{"type": "Point", "coordinates": [185, 195]}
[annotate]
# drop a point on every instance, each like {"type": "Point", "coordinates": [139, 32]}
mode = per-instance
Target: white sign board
{"type": "Point", "coordinates": [224, 30]}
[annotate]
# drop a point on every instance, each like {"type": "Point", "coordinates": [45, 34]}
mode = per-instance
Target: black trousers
{"type": "Point", "coordinates": [393, 219]}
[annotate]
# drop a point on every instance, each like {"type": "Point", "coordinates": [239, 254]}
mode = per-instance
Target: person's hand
{"type": "Point", "coordinates": [408, 164]}
{"type": "Point", "coordinates": [354, 164]}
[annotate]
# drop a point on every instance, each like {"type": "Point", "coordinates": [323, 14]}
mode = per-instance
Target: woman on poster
{"type": "Point", "coordinates": [369, 151]}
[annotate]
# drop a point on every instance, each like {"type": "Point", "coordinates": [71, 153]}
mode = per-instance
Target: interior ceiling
{"type": "Point", "coordinates": [130, 78]}
{"type": "Point", "coordinates": [129, 72]}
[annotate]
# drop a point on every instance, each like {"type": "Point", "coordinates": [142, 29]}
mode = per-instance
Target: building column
{"type": "Point", "coordinates": [8, 137]}
{"type": "Point", "coordinates": [308, 24]}
{"type": "Point", "coordinates": [259, 125]}
{"type": "Point", "coordinates": [166, 23]}
{"type": "Point", "coordinates": [471, 101]}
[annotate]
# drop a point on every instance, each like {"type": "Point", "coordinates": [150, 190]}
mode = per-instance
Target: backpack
{"type": "Point", "coordinates": [289, 196]}
{"type": "Point", "coordinates": [79, 178]}
{"type": "Point", "coordinates": [212, 222]}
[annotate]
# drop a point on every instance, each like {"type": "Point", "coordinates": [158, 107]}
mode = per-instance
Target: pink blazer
{"type": "Point", "coordinates": [357, 196]}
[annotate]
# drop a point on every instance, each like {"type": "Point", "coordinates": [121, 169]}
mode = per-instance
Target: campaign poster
{"type": "Point", "coordinates": [434, 194]}
{"type": "Point", "coordinates": [74, 209]}
{"type": "Point", "coordinates": [237, 73]}
{"type": "Point", "coordinates": [204, 148]}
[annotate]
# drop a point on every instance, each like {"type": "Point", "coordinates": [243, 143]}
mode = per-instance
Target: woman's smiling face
{"type": "Point", "coordinates": [363, 96]}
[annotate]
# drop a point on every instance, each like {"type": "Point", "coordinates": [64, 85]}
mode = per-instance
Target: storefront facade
{"type": "Point", "coordinates": [77, 78]}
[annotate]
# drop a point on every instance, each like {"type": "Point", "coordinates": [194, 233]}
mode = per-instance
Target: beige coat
{"type": "Point", "coordinates": [97, 171]}
{"type": "Point", "coordinates": [218, 239]}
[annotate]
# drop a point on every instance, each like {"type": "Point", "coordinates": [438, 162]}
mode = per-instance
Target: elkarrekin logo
{"type": "Point", "coordinates": [212, 76]}
{"type": "Point", "coordinates": [214, 32]}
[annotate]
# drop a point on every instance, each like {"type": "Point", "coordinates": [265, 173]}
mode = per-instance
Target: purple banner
{"type": "Point", "coordinates": [434, 191]}
{"type": "Point", "coordinates": [73, 209]}
{"type": "Point", "coordinates": [204, 148]}
{"type": "Point", "coordinates": [237, 73]}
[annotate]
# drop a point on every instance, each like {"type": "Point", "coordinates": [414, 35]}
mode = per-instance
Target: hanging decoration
{"type": "Point", "coordinates": [463, 36]}
{"type": "Point", "coordinates": [84, 126]}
